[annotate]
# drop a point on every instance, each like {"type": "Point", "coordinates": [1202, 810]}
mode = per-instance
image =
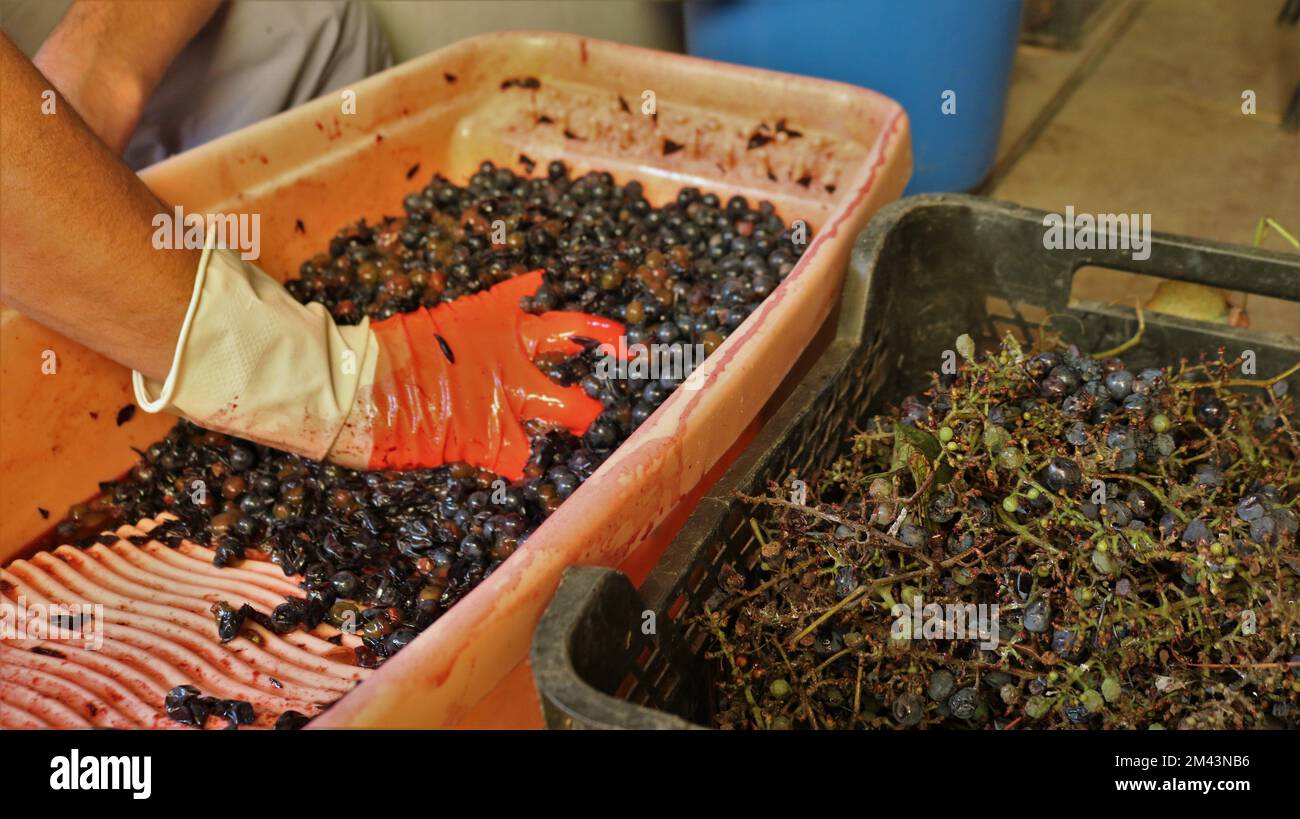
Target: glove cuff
{"type": "Point", "coordinates": [151, 396]}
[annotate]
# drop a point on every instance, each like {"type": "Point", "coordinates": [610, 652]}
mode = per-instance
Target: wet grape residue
{"type": "Point", "coordinates": [388, 553]}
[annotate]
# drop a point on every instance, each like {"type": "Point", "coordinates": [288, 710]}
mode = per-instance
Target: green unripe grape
{"type": "Point", "coordinates": [1102, 562]}
{"type": "Point", "coordinates": [1036, 707]}
{"type": "Point", "coordinates": [1110, 689]}
{"type": "Point", "coordinates": [1092, 701]}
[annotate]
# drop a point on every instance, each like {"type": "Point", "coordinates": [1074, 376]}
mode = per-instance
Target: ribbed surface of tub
{"type": "Point", "coordinates": [157, 631]}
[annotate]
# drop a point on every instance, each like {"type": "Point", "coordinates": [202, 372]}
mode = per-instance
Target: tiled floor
{"type": "Point", "coordinates": [1156, 126]}
{"type": "Point", "coordinates": [1147, 117]}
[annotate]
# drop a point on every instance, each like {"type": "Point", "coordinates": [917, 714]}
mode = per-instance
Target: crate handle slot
{"type": "Point", "coordinates": [1092, 284]}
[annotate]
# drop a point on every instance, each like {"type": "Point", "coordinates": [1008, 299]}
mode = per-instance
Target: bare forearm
{"type": "Point", "coordinates": [76, 250]}
{"type": "Point", "coordinates": [106, 58]}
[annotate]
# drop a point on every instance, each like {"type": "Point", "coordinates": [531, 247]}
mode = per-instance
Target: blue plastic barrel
{"type": "Point", "coordinates": [922, 53]}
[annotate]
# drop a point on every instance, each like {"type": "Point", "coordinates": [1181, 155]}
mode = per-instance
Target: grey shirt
{"type": "Point", "coordinates": [251, 60]}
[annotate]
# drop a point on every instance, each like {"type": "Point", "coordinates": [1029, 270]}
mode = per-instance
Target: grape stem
{"type": "Point", "coordinates": [1245, 665]}
{"type": "Point", "coordinates": [881, 538]}
{"type": "Point", "coordinates": [1263, 383]}
{"type": "Point", "coordinates": [1128, 345]}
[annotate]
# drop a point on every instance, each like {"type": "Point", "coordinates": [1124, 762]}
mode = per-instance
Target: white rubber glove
{"type": "Point", "coordinates": [432, 386]}
{"type": "Point", "coordinates": [253, 362]}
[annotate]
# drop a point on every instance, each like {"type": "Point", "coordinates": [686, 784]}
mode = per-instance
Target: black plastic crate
{"type": "Point", "coordinates": [925, 270]}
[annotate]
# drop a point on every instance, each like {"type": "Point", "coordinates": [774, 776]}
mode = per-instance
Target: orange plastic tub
{"type": "Point", "coordinates": [665, 119]}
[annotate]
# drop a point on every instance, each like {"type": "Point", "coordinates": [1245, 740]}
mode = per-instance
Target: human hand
{"type": "Point", "coordinates": [456, 382]}
{"type": "Point", "coordinates": [437, 385]}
